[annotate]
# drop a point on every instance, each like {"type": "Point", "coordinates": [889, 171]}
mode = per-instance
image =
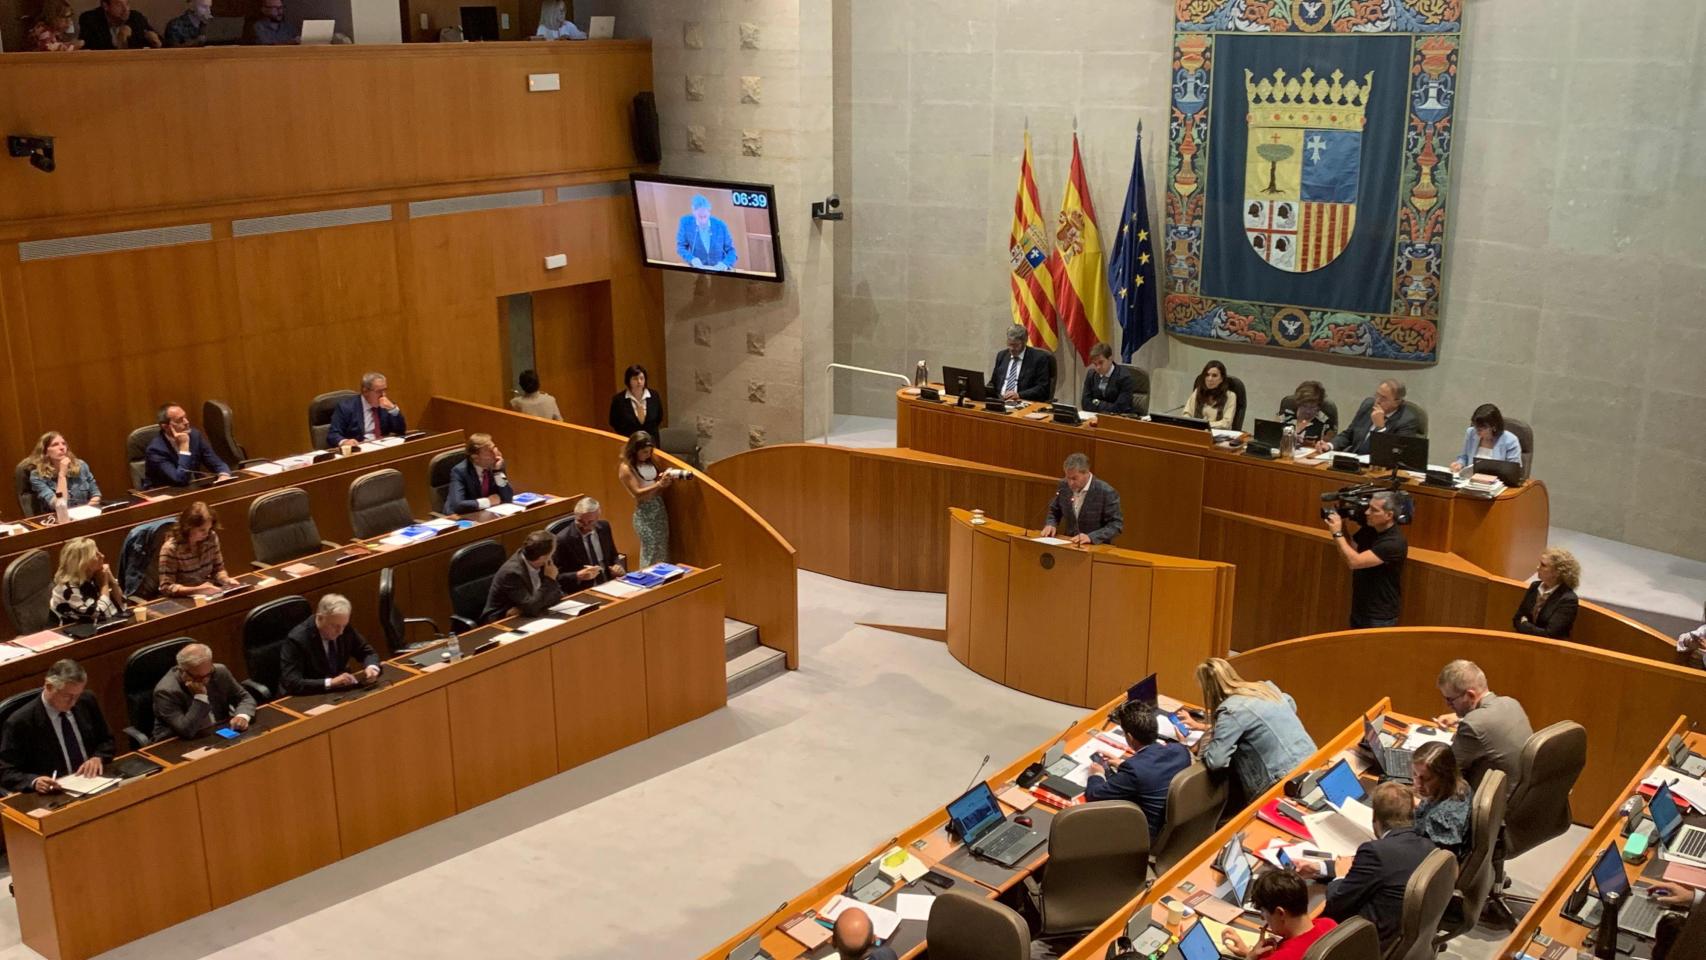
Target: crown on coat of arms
{"type": "Point", "coordinates": [1330, 103]}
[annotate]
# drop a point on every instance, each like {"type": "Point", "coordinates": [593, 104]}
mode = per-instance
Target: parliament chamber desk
{"type": "Point", "coordinates": [420, 571]}
{"type": "Point", "coordinates": [1077, 624]}
{"type": "Point", "coordinates": [1545, 919]}
{"type": "Point", "coordinates": [332, 775]}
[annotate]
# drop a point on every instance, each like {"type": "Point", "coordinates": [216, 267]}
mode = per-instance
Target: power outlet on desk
{"type": "Point", "coordinates": [544, 82]}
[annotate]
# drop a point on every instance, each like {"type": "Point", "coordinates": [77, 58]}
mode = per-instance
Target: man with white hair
{"type": "Point", "coordinates": [56, 734]}
{"type": "Point", "coordinates": [1488, 731]}
{"type": "Point", "coordinates": [189, 29]}
{"type": "Point", "coordinates": [586, 550]}
{"type": "Point", "coordinates": [316, 653]}
{"type": "Point", "coordinates": [1385, 412]}
{"type": "Point", "coordinates": [368, 416]}
{"type": "Point", "coordinates": [198, 695]}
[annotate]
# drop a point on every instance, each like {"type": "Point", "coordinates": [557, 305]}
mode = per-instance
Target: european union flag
{"type": "Point", "coordinates": [1131, 274]}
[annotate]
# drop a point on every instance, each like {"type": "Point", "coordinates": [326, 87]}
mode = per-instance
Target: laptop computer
{"type": "Point", "coordinates": [317, 31]}
{"type": "Point", "coordinates": [972, 380]}
{"type": "Point", "coordinates": [1144, 691]}
{"type": "Point", "coordinates": [977, 818]}
{"type": "Point", "coordinates": [1638, 915]}
{"type": "Point", "coordinates": [1393, 762]}
{"type": "Point", "coordinates": [1197, 944]}
{"type": "Point", "coordinates": [1684, 759]}
{"type": "Point", "coordinates": [1340, 783]}
{"type": "Point", "coordinates": [1509, 474]}
{"type": "Point", "coordinates": [601, 28]}
{"type": "Point", "coordinates": [1684, 843]}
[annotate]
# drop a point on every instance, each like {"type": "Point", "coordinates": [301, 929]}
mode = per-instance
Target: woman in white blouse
{"type": "Point", "coordinates": [554, 22]}
{"type": "Point", "coordinates": [1210, 399]}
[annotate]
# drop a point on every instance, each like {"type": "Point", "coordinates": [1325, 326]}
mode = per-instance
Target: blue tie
{"type": "Point", "coordinates": [1012, 384]}
{"type": "Point", "coordinates": [73, 749]}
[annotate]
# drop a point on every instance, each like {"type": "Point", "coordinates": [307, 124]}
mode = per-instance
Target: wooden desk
{"type": "Point", "coordinates": [106, 870]}
{"type": "Point", "coordinates": [1546, 917]}
{"type": "Point", "coordinates": [1079, 624]}
{"type": "Point", "coordinates": [1503, 536]}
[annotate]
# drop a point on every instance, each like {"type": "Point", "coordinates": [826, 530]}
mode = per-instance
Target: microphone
{"type": "Point", "coordinates": [979, 772]}
{"type": "Point", "coordinates": [1178, 409]}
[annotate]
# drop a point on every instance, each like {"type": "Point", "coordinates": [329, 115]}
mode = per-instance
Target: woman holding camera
{"type": "Point", "coordinates": [640, 475]}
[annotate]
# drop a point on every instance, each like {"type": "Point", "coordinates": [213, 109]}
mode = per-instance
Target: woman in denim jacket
{"type": "Point", "coordinates": [1253, 728]}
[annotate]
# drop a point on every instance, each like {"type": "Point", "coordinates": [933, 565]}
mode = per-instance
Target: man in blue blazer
{"type": "Point", "coordinates": [478, 482]}
{"type": "Point", "coordinates": [1374, 886]}
{"type": "Point", "coordinates": [703, 240]}
{"type": "Point", "coordinates": [179, 454]}
{"type": "Point", "coordinates": [369, 416]}
{"type": "Point", "coordinates": [1084, 509]}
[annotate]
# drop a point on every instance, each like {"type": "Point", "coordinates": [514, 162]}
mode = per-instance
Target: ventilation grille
{"type": "Point", "coordinates": [592, 191]}
{"type": "Point", "coordinates": [286, 223]}
{"type": "Point", "coordinates": [114, 242]}
{"type": "Point", "coordinates": [480, 201]}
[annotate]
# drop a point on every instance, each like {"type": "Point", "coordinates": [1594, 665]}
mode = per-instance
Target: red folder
{"type": "Point", "coordinates": [1271, 813]}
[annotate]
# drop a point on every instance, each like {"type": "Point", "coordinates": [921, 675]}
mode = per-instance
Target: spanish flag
{"type": "Point", "coordinates": [1027, 247]}
{"type": "Point", "coordinates": [1080, 275]}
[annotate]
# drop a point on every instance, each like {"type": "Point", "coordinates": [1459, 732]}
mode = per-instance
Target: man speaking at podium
{"type": "Point", "coordinates": [1084, 509]}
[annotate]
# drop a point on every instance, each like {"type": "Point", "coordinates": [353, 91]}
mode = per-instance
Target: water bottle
{"type": "Point", "coordinates": [921, 374]}
{"type": "Point", "coordinates": [61, 513]}
{"type": "Point", "coordinates": [1288, 442]}
{"type": "Point", "coordinates": [454, 647]}
{"type": "Point", "coordinates": [1605, 937]}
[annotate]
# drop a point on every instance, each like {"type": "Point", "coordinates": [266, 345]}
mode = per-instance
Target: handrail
{"type": "Point", "coordinates": [829, 388]}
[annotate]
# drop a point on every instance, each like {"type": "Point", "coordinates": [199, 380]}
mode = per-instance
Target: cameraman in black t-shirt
{"type": "Point", "coordinates": [1376, 558]}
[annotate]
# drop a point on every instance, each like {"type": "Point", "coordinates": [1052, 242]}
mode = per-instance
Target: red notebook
{"type": "Point", "coordinates": [1271, 813]}
{"type": "Point", "coordinates": [1682, 804]}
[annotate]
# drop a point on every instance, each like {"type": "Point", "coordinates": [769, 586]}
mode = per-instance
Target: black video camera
{"type": "Point", "coordinates": [1352, 503]}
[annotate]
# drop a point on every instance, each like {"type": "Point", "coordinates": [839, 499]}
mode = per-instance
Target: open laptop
{"type": "Point", "coordinates": [317, 31]}
{"type": "Point", "coordinates": [1637, 915]}
{"type": "Point", "coordinates": [1393, 762]}
{"type": "Point", "coordinates": [1684, 843]}
{"type": "Point", "coordinates": [1340, 783]}
{"type": "Point", "coordinates": [977, 818]}
{"type": "Point", "coordinates": [1235, 864]}
{"type": "Point", "coordinates": [1144, 691]}
{"type": "Point", "coordinates": [973, 390]}
{"type": "Point", "coordinates": [1684, 759]}
{"type": "Point", "coordinates": [1197, 944]}
{"type": "Point", "coordinates": [1509, 474]}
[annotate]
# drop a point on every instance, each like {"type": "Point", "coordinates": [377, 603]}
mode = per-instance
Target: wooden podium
{"type": "Point", "coordinates": [1080, 624]}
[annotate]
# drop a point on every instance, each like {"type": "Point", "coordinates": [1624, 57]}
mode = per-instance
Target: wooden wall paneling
{"type": "Point", "coordinates": [412, 788]}
{"type": "Point", "coordinates": [1036, 570]}
{"type": "Point", "coordinates": [1437, 594]}
{"type": "Point", "coordinates": [599, 679]}
{"type": "Point", "coordinates": [990, 561]}
{"type": "Point", "coordinates": [1185, 626]}
{"type": "Point", "coordinates": [579, 229]}
{"type": "Point", "coordinates": [772, 480]}
{"type": "Point", "coordinates": [1289, 584]}
{"type": "Point", "coordinates": [684, 654]}
{"type": "Point", "coordinates": [1160, 517]}
{"type": "Point", "coordinates": [243, 861]}
{"type": "Point", "coordinates": [1507, 537]}
{"type": "Point", "coordinates": [635, 291]}
{"type": "Point", "coordinates": [1121, 641]}
{"type": "Point", "coordinates": [18, 399]}
{"type": "Point", "coordinates": [26, 858]}
{"type": "Point", "coordinates": [960, 537]}
{"type": "Point", "coordinates": [566, 325]}
{"type": "Point", "coordinates": [503, 729]}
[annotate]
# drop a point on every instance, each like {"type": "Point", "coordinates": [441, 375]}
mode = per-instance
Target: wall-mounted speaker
{"type": "Point", "coordinates": [646, 145]}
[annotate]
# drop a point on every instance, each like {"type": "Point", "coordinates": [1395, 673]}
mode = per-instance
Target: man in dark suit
{"type": "Point", "coordinates": [316, 653]}
{"type": "Point", "coordinates": [1108, 387]}
{"type": "Point", "coordinates": [526, 584]}
{"type": "Point", "coordinates": [1084, 509]}
{"type": "Point", "coordinates": [1373, 888]}
{"type": "Point", "coordinates": [199, 695]}
{"type": "Point", "coordinates": [60, 732]}
{"type": "Point", "coordinates": [480, 481]}
{"type": "Point", "coordinates": [1021, 372]}
{"type": "Point", "coordinates": [367, 416]}
{"type": "Point", "coordinates": [114, 26]}
{"type": "Point", "coordinates": [1144, 777]}
{"type": "Point", "coordinates": [180, 454]}
{"type": "Point", "coordinates": [586, 552]}
{"type": "Point", "coordinates": [1385, 412]}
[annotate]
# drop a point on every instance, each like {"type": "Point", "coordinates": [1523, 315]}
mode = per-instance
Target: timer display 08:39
{"type": "Point", "coordinates": [741, 198]}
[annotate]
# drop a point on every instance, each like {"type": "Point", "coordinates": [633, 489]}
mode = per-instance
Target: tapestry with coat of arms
{"type": "Point", "coordinates": [1307, 173]}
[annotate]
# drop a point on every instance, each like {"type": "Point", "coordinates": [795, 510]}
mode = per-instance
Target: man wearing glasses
{"type": "Point", "coordinates": [1488, 731]}
{"type": "Point", "coordinates": [199, 695]}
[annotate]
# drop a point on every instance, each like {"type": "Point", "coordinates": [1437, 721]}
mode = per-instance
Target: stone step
{"type": "Point", "coordinates": [753, 668]}
{"type": "Point", "coordinates": [738, 638]}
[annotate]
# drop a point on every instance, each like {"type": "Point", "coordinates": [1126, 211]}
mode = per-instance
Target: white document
{"type": "Point", "coordinates": [1220, 434]}
{"type": "Point", "coordinates": [1360, 814]}
{"type": "Point", "coordinates": [291, 463]}
{"type": "Point", "coordinates": [10, 652]}
{"type": "Point", "coordinates": [386, 441]}
{"type": "Point", "coordinates": [1336, 833]}
{"type": "Point", "coordinates": [1053, 541]}
{"type": "Point", "coordinates": [505, 639]}
{"type": "Point", "coordinates": [1681, 784]}
{"type": "Point", "coordinates": [441, 524]}
{"type": "Point", "coordinates": [572, 608]}
{"type": "Point", "coordinates": [883, 920]}
{"type": "Point", "coordinates": [266, 469]}
{"type": "Point", "coordinates": [1171, 731]}
{"type": "Point", "coordinates": [84, 512]}
{"type": "Point", "coordinates": [1414, 739]}
{"type": "Point", "coordinates": [536, 626]}
{"type": "Point", "coordinates": [505, 509]}
{"type": "Point", "coordinates": [914, 906]}
{"type": "Point", "coordinates": [81, 786]}
{"type": "Point", "coordinates": [617, 589]}
{"type": "Point", "coordinates": [398, 540]}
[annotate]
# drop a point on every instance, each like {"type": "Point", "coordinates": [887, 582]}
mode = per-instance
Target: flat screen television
{"type": "Point", "coordinates": [708, 226]}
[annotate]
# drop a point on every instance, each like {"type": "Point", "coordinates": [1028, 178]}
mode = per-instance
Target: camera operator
{"type": "Point", "coordinates": [1376, 558]}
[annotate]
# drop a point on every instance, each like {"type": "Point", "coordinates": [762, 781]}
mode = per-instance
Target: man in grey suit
{"type": "Point", "coordinates": [1488, 731]}
{"type": "Point", "coordinates": [198, 695]}
{"type": "Point", "coordinates": [1385, 412]}
{"type": "Point", "coordinates": [1084, 509]}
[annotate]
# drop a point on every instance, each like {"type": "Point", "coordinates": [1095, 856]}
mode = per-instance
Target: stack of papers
{"type": "Point", "coordinates": [266, 469]}
{"type": "Point", "coordinates": [1681, 784]}
{"type": "Point", "coordinates": [537, 626]}
{"type": "Point", "coordinates": [899, 866]}
{"type": "Point", "coordinates": [1415, 738]}
{"type": "Point", "coordinates": [617, 589]}
{"type": "Point", "coordinates": [505, 509]}
{"type": "Point", "coordinates": [572, 608]}
{"type": "Point", "coordinates": [1340, 831]}
{"type": "Point", "coordinates": [914, 906]}
{"type": "Point", "coordinates": [413, 533]}
{"type": "Point", "coordinates": [84, 512]}
{"type": "Point", "coordinates": [10, 652]}
{"type": "Point", "coordinates": [1052, 541]}
{"type": "Point", "coordinates": [81, 786]}
{"type": "Point", "coordinates": [883, 920]}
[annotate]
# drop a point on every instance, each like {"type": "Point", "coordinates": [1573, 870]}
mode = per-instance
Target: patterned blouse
{"type": "Point", "coordinates": [189, 565]}
{"type": "Point", "coordinates": [1446, 822]}
{"type": "Point", "coordinates": [45, 39]}
{"type": "Point", "coordinates": [82, 602]}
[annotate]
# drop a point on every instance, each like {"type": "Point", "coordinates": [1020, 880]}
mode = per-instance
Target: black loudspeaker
{"type": "Point", "coordinates": [646, 146]}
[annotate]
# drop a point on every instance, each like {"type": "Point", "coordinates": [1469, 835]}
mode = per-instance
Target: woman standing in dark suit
{"type": "Point", "coordinates": [1548, 609]}
{"type": "Point", "coordinates": [636, 408]}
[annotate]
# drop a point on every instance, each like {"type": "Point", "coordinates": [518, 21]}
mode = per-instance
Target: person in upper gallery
{"type": "Point", "coordinates": [532, 400]}
{"type": "Point", "coordinates": [1212, 398]}
{"type": "Point", "coordinates": [271, 30]}
{"type": "Point", "coordinates": [190, 560]}
{"type": "Point", "coordinates": [1252, 728]}
{"type": "Point", "coordinates": [1374, 886]}
{"type": "Point", "coordinates": [1307, 414]}
{"type": "Point", "coordinates": [1144, 776]}
{"type": "Point", "coordinates": [114, 26]}
{"type": "Point", "coordinates": [56, 475]}
{"type": "Point", "coordinates": [1487, 439]}
{"type": "Point", "coordinates": [702, 240]}
{"type": "Point", "coordinates": [189, 29]}
{"type": "Point", "coordinates": [316, 653]}
{"type": "Point", "coordinates": [1548, 609]}
{"type": "Point", "coordinates": [84, 590]}
{"type": "Point", "coordinates": [1488, 731]}
{"type": "Point", "coordinates": [1375, 555]}
{"type": "Point", "coordinates": [198, 695]}
{"type": "Point", "coordinates": [1442, 797]}
{"type": "Point", "coordinates": [60, 732]}
{"type": "Point", "coordinates": [480, 480]}
{"type": "Point", "coordinates": [1691, 646]}
{"type": "Point", "coordinates": [586, 549]}
{"type": "Point", "coordinates": [1021, 372]}
{"type": "Point", "coordinates": [1385, 412]}
{"type": "Point", "coordinates": [180, 454]}
{"type": "Point", "coordinates": [51, 32]}
{"type": "Point", "coordinates": [554, 24]}
{"type": "Point", "coordinates": [637, 407]}
{"type": "Point", "coordinates": [646, 482]}
{"type": "Point", "coordinates": [1282, 899]}
{"type": "Point", "coordinates": [369, 415]}
{"type": "Point", "coordinates": [526, 585]}
{"type": "Point", "coordinates": [1084, 509]}
{"type": "Point", "coordinates": [1108, 387]}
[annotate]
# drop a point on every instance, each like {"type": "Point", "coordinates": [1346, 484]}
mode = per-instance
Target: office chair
{"type": "Point", "coordinates": [136, 452]}
{"type": "Point", "coordinates": [282, 528]}
{"type": "Point", "coordinates": [264, 630]}
{"type": "Point", "coordinates": [15, 702]}
{"type": "Point", "coordinates": [1421, 417]}
{"type": "Point", "coordinates": [1098, 858]}
{"type": "Point", "coordinates": [377, 504]}
{"type": "Point", "coordinates": [681, 443]}
{"type": "Point", "coordinates": [1539, 804]}
{"type": "Point", "coordinates": [1475, 874]}
{"type": "Point", "coordinates": [1195, 800]}
{"type": "Point", "coordinates": [966, 927]}
{"type": "Point", "coordinates": [142, 670]}
{"type": "Point", "coordinates": [1525, 439]}
{"type": "Point", "coordinates": [1355, 939]}
{"type": "Point", "coordinates": [556, 527]}
{"type": "Point", "coordinates": [391, 619]}
{"type": "Point", "coordinates": [438, 476]}
{"type": "Point", "coordinates": [25, 590]}
{"type": "Point", "coordinates": [1235, 386]}
{"type": "Point", "coordinates": [471, 571]}
{"type": "Point", "coordinates": [320, 415]}
{"type": "Point", "coordinates": [1140, 389]}
{"type": "Point", "coordinates": [216, 418]}
{"type": "Point", "coordinates": [21, 487]}
{"type": "Point", "coordinates": [1426, 896]}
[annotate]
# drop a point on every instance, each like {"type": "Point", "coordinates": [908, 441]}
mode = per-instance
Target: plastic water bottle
{"type": "Point", "coordinates": [454, 647]}
{"type": "Point", "coordinates": [1288, 442]}
{"type": "Point", "coordinates": [921, 375]}
{"type": "Point", "coordinates": [61, 513]}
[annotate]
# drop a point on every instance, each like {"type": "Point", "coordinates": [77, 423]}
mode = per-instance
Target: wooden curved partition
{"type": "Point", "coordinates": [708, 524]}
{"type": "Point", "coordinates": [1626, 703]}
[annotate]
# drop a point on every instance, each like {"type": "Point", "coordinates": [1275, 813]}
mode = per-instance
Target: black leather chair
{"type": "Point", "coordinates": [1236, 386]}
{"type": "Point", "coordinates": [320, 415]}
{"type": "Point", "coordinates": [438, 476]}
{"type": "Point", "coordinates": [1525, 438]}
{"type": "Point", "coordinates": [378, 504]}
{"type": "Point", "coordinates": [391, 619]}
{"type": "Point", "coordinates": [24, 590]}
{"type": "Point", "coordinates": [21, 487]}
{"type": "Point", "coordinates": [471, 571]}
{"type": "Point", "coordinates": [682, 443]}
{"type": "Point", "coordinates": [142, 671]}
{"type": "Point", "coordinates": [556, 527]}
{"type": "Point", "coordinates": [282, 528]}
{"type": "Point", "coordinates": [1421, 417]}
{"type": "Point", "coordinates": [1140, 392]}
{"type": "Point", "coordinates": [264, 630]}
{"type": "Point", "coordinates": [13, 703]}
{"type": "Point", "coordinates": [136, 452]}
{"type": "Point", "coordinates": [216, 420]}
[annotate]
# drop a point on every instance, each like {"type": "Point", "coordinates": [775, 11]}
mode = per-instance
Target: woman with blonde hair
{"type": "Point", "coordinates": [1252, 728]}
{"type": "Point", "coordinates": [84, 588]}
{"type": "Point", "coordinates": [57, 475]}
{"type": "Point", "coordinates": [554, 22]}
{"type": "Point", "coordinates": [1548, 609]}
